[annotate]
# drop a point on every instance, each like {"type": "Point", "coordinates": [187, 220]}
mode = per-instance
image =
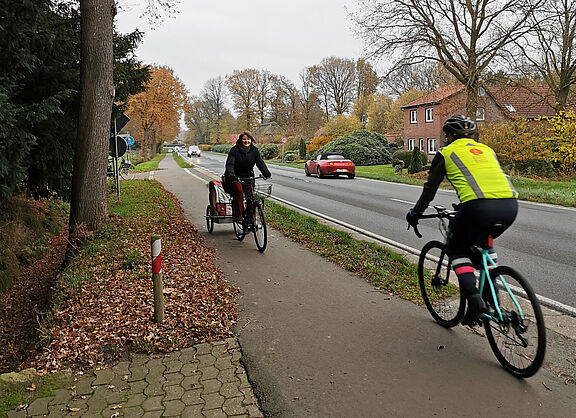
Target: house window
{"type": "Point", "coordinates": [429, 114]}
{"type": "Point", "coordinates": [510, 108]}
{"type": "Point", "coordinates": [431, 146]}
{"type": "Point", "coordinates": [421, 144]}
{"type": "Point", "coordinates": [481, 91]}
{"type": "Point", "coordinates": [413, 116]}
{"type": "Point", "coordinates": [411, 143]}
{"type": "Point", "coordinates": [480, 114]}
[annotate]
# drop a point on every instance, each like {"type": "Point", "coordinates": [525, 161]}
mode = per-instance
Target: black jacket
{"type": "Point", "coordinates": [241, 161]}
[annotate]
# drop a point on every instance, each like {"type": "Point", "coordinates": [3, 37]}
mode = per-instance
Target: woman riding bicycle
{"type": "Point", "coordinates": [486, 198]}
{"type": "Point", "coordinates": [240, 164]}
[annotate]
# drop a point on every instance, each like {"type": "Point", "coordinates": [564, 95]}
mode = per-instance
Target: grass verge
{"type": "Point", "coordinates": [180, 161]}
{"type": "Point", "coordinates": [150, 165]}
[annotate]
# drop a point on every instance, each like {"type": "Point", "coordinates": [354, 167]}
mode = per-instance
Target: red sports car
{"type": "Point", "coordinates": [330, 164]}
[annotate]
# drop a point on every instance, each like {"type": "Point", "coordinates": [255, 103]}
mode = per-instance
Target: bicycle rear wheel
{"type": "Point", "coordinates": [518, 341]}
{"type": "Point", "coordinates": [209, 220]}
{"type": "Point", "coordinates": [439, 286]}
{"type": "Point", "coordinates": [260, 233]}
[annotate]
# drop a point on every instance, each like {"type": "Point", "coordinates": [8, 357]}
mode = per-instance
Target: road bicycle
{"type": "Point", "coordinates": [514, 324]}
{"type": "Point", "coordinates": [253, 220]}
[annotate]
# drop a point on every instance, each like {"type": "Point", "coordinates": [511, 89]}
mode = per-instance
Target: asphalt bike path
{"type": "Point", "coordinates": [317, 340]}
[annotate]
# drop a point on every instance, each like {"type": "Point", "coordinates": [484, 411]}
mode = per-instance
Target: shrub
{"type": "Point", "coordinates": [316, 143]}
{"type": "Point", "coordinates": [415, 162]}
{"type": "Point", "coordinates": [362, 147]}
{"type": "Point", "coordinates": [205, 147]}
{"type": "Point", "coordinates": [222, 148]}
{"type": "Point", "coordinates": [290, 156]}
{"type": "Point", "coordinates": [269, 151]}
{"type": "Point", "coordinates": [403, 155]}
{"type": "Point", "coordinates": [302, 149]}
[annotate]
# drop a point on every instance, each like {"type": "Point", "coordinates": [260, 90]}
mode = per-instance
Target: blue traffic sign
{"type": "Point", "coordinates": [129, 141]}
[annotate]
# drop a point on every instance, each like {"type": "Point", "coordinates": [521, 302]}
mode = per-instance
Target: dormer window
{"type": "Point", "coordinates": [481, 92]}
{"type": "Point", "coordinates": [510, 108]}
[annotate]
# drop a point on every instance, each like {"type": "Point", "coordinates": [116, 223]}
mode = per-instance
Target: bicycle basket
{"type": "Point", "coordinates": [263, 190]}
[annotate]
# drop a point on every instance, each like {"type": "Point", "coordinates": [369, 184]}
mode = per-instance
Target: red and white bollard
{"type": "Point", "coordinates": [156, 245]}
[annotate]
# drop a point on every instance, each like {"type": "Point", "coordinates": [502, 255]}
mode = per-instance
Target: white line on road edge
{"type": "Point", "coordinates": [195, 176]}
{"type": "Point", "coordinates": [550, 303]}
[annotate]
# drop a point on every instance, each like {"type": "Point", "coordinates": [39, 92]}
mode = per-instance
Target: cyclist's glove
{"type": "Point", "coordinates": [412, 218]}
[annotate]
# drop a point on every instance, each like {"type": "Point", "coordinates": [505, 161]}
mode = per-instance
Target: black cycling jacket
{"type": "Point", "coordinates": [241, 162]}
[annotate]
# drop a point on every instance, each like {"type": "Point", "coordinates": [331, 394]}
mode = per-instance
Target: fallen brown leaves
{"type": "Point", "coordinates": [111, 312]}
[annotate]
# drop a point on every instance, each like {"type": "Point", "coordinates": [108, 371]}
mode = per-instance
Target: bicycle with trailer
{"type": "Point", "coordinates": [514, 324]}
{"type": "Point", "coordinates": [220, 209]}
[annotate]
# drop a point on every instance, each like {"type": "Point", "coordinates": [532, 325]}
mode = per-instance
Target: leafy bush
{"type": "Point", "coordinates": [415, 162]}
{"type": "Point", "coordinates": [269, 151]}
{"type": "Point", "coordinates": [362, 147]}
{"type": "Point", "coordinates": [290, 156]}
{"type": "Point", "coordinates": [205, 147]}
{"type": "Point", "coordinates": [317, 142]}
{"type": "Point", "coordinates": [403, 155]}
{"type": "Point", "coordinates": [222, 148]}
{"type": "Point", "coordinates": [302, 149]}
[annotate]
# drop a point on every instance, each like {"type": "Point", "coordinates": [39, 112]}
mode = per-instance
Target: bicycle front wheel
{"type": "Point", "coordinates": [438, 285]}
{"type": "Point", "coordinates": [260, 233]}
{"type": "Point", "coordinates": [518, 339]}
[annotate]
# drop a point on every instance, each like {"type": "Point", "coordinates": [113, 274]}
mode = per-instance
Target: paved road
{"type": "Point", "coordinates": [539, 244]}
{"type": "Point", "coordinates": [318, 341]}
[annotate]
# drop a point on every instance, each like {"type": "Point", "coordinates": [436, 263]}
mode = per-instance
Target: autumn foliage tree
{"type": "Point", "coordinates": [155, 112]}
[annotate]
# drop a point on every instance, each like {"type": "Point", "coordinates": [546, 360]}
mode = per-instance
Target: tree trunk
{"type": "Point", "coordinates": [89, 205]}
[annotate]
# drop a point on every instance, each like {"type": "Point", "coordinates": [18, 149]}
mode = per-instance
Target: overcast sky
{"type": "Point", "coordinates": [210, 38]}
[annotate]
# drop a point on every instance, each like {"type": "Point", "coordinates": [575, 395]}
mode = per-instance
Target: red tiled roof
{"type": "Point", "coordinates": [435, 96]}
{"type": "Point", "coordinates": [528, 102]}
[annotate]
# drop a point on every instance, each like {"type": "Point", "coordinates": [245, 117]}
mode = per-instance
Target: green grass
{"type": "Point", "coordinates": [180, 161]}
{"type": "Point", "coordinates": [150, 165]}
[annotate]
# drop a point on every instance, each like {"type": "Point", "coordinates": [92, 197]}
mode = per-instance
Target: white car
{"type": "Point", "coordinates": [193, 150]}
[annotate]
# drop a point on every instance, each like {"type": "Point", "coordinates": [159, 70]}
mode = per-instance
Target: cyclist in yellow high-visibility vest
{"type": "Point", "coordinates": [486, 198]}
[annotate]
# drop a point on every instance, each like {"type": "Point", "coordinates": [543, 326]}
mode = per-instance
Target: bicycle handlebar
{"type": "Point", "coordinates": [442, 213]}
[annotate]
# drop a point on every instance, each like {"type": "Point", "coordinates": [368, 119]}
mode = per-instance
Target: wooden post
{"type": "Point", "coordinates": [156, 245]}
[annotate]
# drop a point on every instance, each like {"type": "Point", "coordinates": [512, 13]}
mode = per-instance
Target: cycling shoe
{"type": "Point", "coordinates": [476, 307]}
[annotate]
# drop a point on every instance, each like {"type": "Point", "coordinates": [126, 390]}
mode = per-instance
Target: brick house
{"type": "Point", "coordinates": [424, 117]}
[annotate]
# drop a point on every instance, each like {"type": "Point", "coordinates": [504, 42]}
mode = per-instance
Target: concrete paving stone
{"type": "Point", "coordinates": [213, 400]}
{"type": "Point", "coordinates": [156, 362]}
{"type": "Point", "coordinates": [155, 389]}
{"type": "Point", "coordinates": [236, 355]}
{"type": "Point", "coordinates": [135, 399]}
{"type": "Point", "coordinates": [231, 390]}
{"type": "Point", "coordinates": [152, 414]}
{"type": "Point", "coordinates": [173, 407]}
{"type": "Point", "coordinates": [103, 377]}
{"type": "Point", "coordinates": [39, 406]}
{"type": "Point", "coordinates": [204, 348]}
{"type": "Point", "coordinates": [249, 397]}
{"type": "Point", "coordinates": [244, 383]}
{"type": "Point", "coordinates": [138, 373]}
{"type": "Point", "coordinates": [191, 382]}
{"type": "Point", "coordinates": [254, 411]}
{"type": "Point", "coordinates": [173, 392]}
{"type": "Point", "coordinates": [173, 366]}
{"type": "Point", "coordinates": [220, 351]}
{"type": "Point", "coordinates": [232, 343]}
{"type": "Point", "coordinates": [153, 403]}
{"type": "Point", "coordinates": [173, 379]}
{"type": "Point", "coordinates": [57, 410]}
{"type": "Point", "coordinates": [192, 411]}
{"type": "Point", "coordinates": [155, 374]}
{"type": "Point", "coordinates": [138, 360]}
{"type": "Point", "coordinates": [234, 406]}
{"type": "Point", "coordinates": [119, 384]}
{"type": "Point", "coordinates": [223, 363]}
{"type": "Point", "coordinates": [114, 397]}
{"type": "Point", "coordinates": [78, 404]}
{"type": "Point", "coordinates": [214, 413]}
{"type": "Point", "coordinates": [17, 414]}
{"type": "Point", "coordinates": [96, 405]}
{"type": "Point", "coordinates": [187, 355]}
{"type": "Point", "coordinates": [138, 387]}
{"type": "Point", "coordinates": [133, 411]}
{"type": "Point", "coordinates": [209, 372]}
{"type": "Point", "coordinates": [188, 369]}
{"type": "Point", "coordinates": [206, 360]}
{"type": "Point", "coordinates": [61, 396]}
{"type": "Point", "coordinates": [122, 368]}
{"type": "Point", "coordinates": [193, 397]}
{"type": "Point", "coordinates": [228, 376]}
{"type": "Point", "coordinates": [211, 386]}
{"type": "Point", "coordinates": [84, 385]}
